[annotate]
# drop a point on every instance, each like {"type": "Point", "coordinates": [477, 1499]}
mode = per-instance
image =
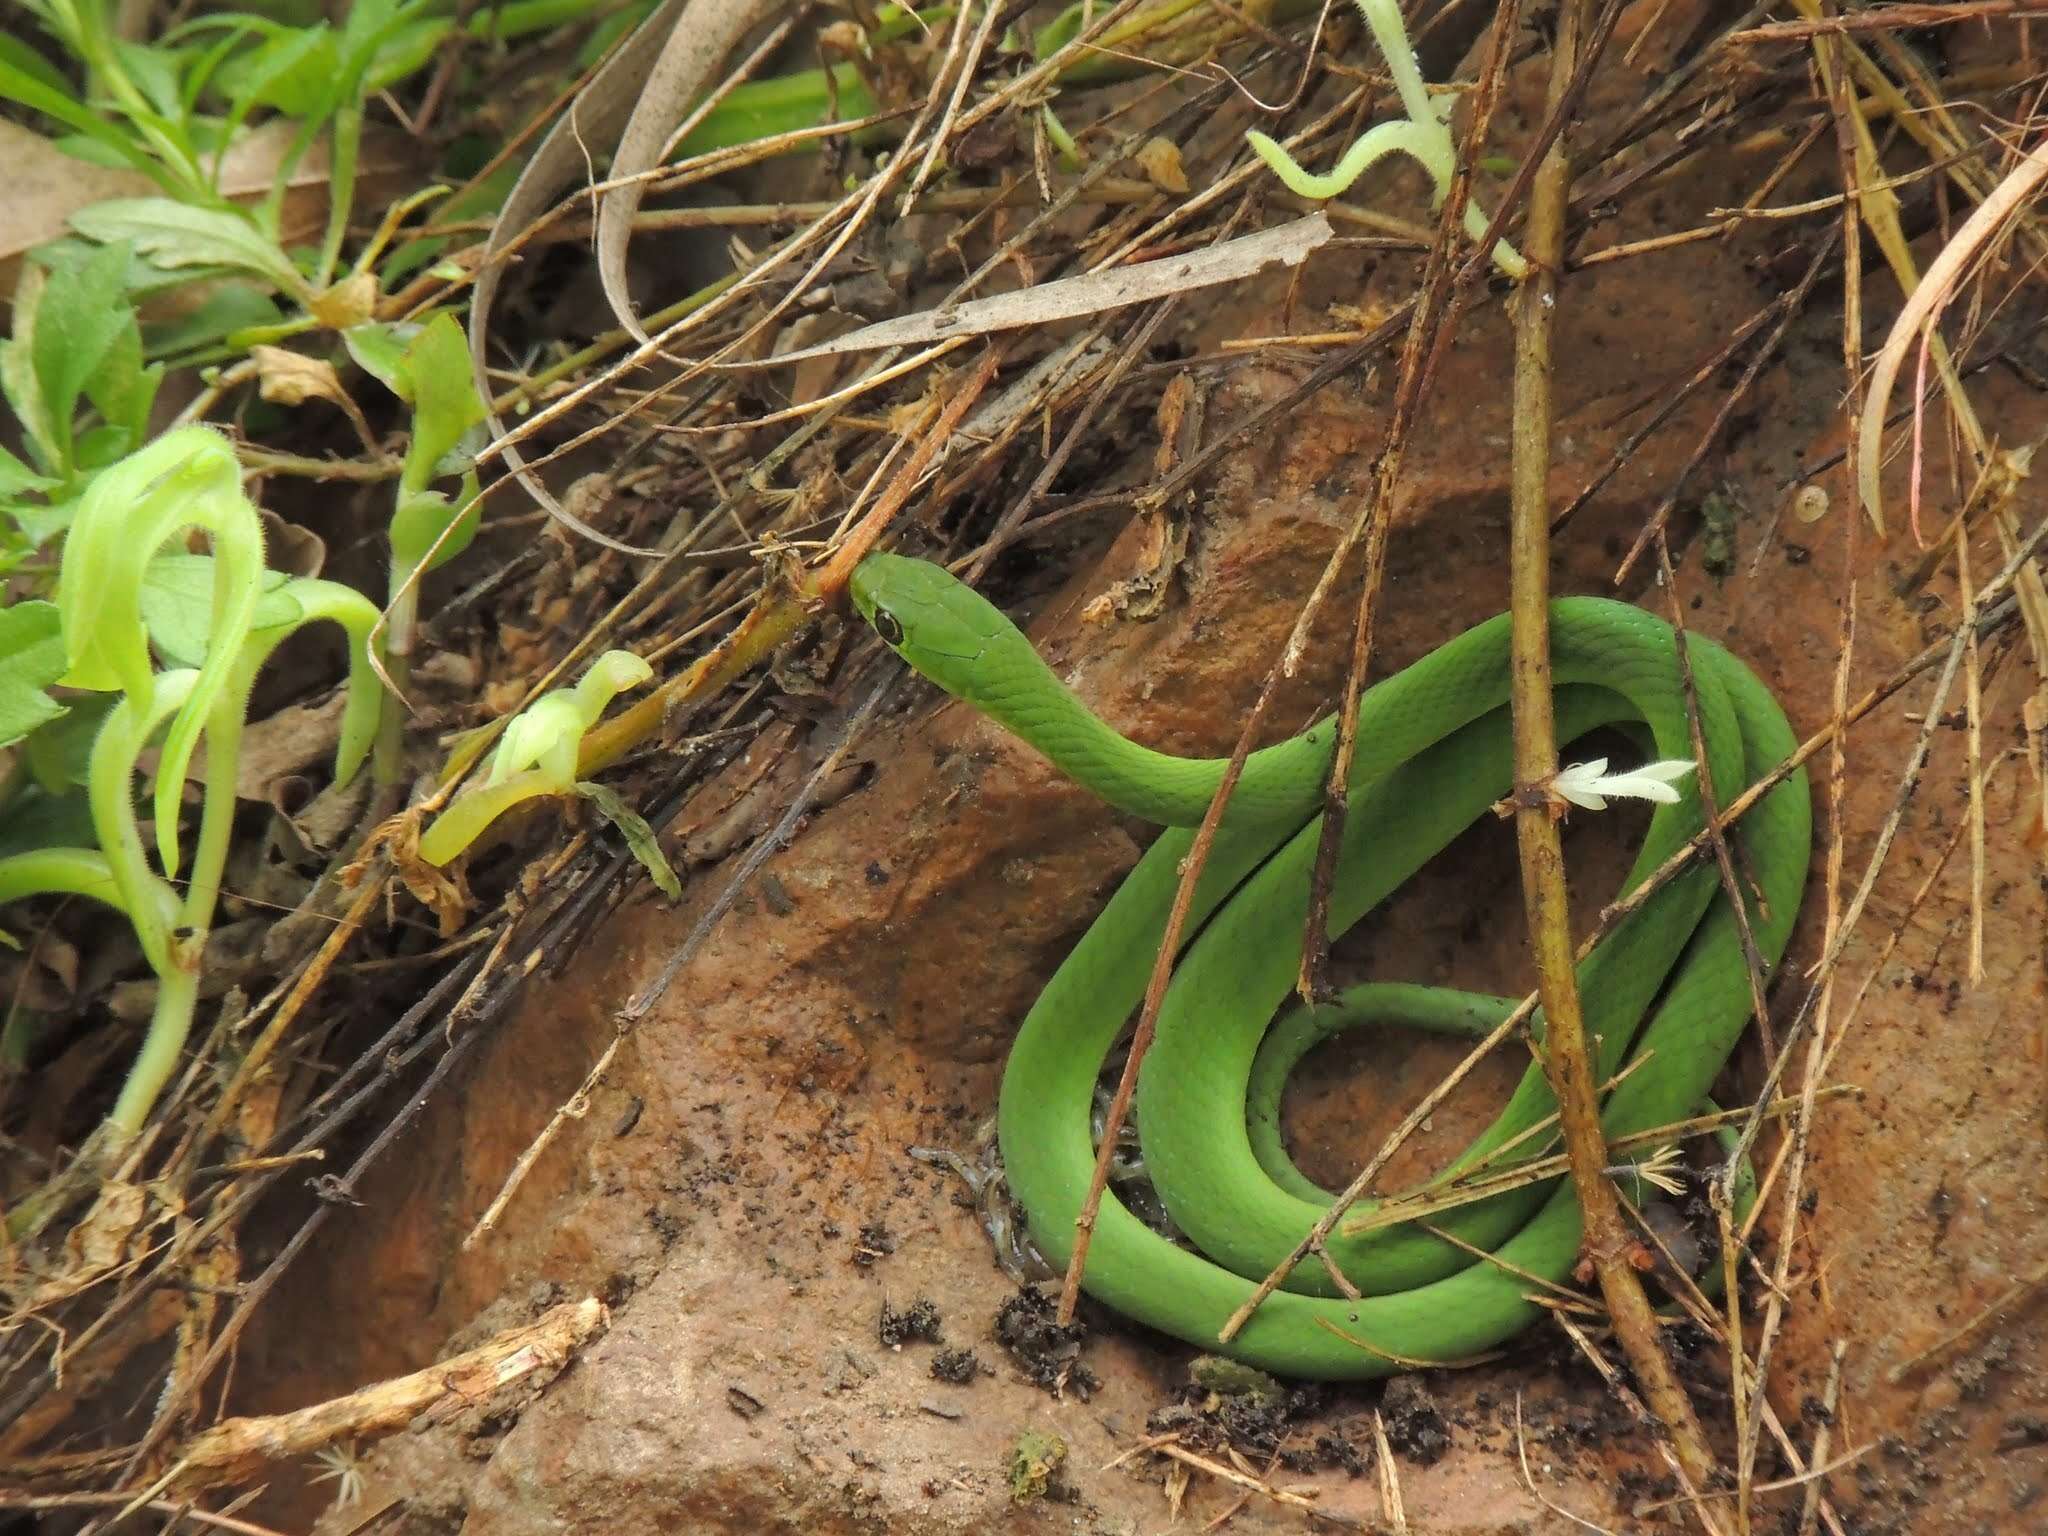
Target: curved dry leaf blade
{"type": "Point", "coordinates": [697, 44]}
{"type": "Point", "coordinates": [598, 111]}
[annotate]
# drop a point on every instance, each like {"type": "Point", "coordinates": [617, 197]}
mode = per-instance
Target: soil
{"type": "Point", "coordinates": [809, 1333]}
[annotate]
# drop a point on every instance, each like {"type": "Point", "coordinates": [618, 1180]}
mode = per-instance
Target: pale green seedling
{"type": "Point", "coordinates": [537, 756]}
{"type": "Point", "coordinates": [1424, 135]}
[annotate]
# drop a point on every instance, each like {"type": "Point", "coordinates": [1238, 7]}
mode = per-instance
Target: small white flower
{"type": "Point", "coordinates": [1654, 1170]}
{"type": "Point", "coordinates": [344, 1469]}
{"type": "Point", "coordinates": [1590, 785]}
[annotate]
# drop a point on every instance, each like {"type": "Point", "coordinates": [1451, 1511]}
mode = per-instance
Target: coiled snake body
{"type": "Point", "coordinates": [1668, 986]}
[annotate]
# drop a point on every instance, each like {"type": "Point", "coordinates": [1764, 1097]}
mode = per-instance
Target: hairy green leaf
{"type": "Point", "coordinates": [173, 234]}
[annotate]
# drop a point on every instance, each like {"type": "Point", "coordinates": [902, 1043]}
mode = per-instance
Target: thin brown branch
{"type": "Point", "coordinates": [1427, 333]}
{"type": "Point", "coordinates": [1567, 1055]}
{"type": "Point", "coordinates": [1885, 18]}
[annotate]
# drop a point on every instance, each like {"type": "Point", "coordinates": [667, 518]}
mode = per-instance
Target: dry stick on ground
{"type": "Point", "coordinates": [1809, 1508]}
{"type": "Point", "coordinates": [1890, 18]}
{"type": "Point", "coordinates": [236, 1450]}
{"type": "Point", "coordinates": [178, 1510]}
{"type": "Point", "coordinates": [1908, 781]}
{"type": "Point", "coordinates": [1566, 1057]}
{"type": "Point", "coordinates": [337, 1190]}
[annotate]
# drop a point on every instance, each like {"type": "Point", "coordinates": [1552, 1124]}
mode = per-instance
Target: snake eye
{"type": "Point", "coordinates": [887, 626]}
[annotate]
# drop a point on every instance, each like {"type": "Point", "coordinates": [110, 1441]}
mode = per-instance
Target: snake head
{"type": "Point", "coordinates": [933, 621]}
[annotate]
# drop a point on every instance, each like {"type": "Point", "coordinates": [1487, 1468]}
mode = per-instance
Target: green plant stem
{"type": "Point", "coordinates": [110, 777]}
{"type": "Point", "coordinates": [178, 977]}
{"type": "Point", "coordinates": [387, 760]}
{"type": "Point", "coordinates": [473, 811]}
{"type": "Point", "coordinates": [60, 872]}
{"type": "Point", "coordinates": [177, 995]}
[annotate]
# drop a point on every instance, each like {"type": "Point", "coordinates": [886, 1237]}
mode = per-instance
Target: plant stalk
{"type": "Point", "coordinates": [1567, 1059]}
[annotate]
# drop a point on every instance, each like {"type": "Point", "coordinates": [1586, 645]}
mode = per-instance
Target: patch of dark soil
{"type": "Point", "coordinates": [1415, 1424]}
{"type": "Point", "coordinates": [1226, 1404]}
{"type": "Point", "coordinates": [903, 1325]}
{"type": "Point", "coordinates": [1047, 1353]}
{"type": "Point", "coordinates": [956, 1366]}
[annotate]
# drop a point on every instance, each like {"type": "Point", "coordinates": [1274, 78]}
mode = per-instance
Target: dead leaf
{"type": "Point", "coordinates": [349, 302]}
{"type": "Point", "coordinates": [285, 377]}
{"type": "Point", "coordinates": [1159, 159]}
{"type": "Point", "coordinates": [289, 548]}
{"type": "Point", "coordinates": [1089, 294]}
{"type": "Point", "coordinates": [699, 38]}
{"type": "Point", "coordinates": [45, 187]}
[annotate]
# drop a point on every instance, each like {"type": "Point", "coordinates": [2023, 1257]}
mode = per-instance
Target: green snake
{"type": "Point", "coordinates": [1668, 987]}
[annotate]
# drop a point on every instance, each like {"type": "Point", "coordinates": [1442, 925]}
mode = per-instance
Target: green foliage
{"type": "Point", "coordinates": [122, 602]}
{"type": "Point", "coordinates": [536, 756]}
{"type": "Point", "coordinates": [433, 377]}
{"type": "Point", "coordinates": [31, 659]}
{"type": "Point", "coordinates": [175, 235]}
{"type": "Point", "coordinates": [76, 349]}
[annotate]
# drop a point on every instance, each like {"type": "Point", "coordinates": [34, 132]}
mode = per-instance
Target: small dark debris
{"type": "Point", "coordinates": [631, 1117]}
{"type": "Point", "coordinates": [1415, 1425]}
{"type": "Point", "coordinates": [1797, 554]}
{"type": "Point", "coordinates": [1814, 1413]}
{"type": "Point", "coordinates": [1226, 1404]}
{"type": "Point", "coordinates": [1973, 1373]}
{"type": "Point", "coordinates": [2023, 1432]}
{"type": "Point", "coordinates": [919, 1320]}
{"type": "Point", "coordinates": [875, 1242]}
{"type": "Point", "coordinates": [875, 874]}
{"type": "Point", "coordinates": [1047, 1353]}
{"type": "Point", "coordinates": [743, 1402]}
{"type": "Point", "coordinates": [1335, 1450]}
{"type": "Point", "coordinates": [958, 1367]}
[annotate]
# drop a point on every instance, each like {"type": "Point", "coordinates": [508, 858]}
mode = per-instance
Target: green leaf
{"type": "Point", "coordinates": [37, 819]}
{"type": "Point", "coordinates": [82, 313]}
{"type": "Point", "coordinates": [144, 276]}
{"type": "Point", "coordinates": [41, 523]}
{"type": "Point", "coordinates": [60, 754]}
{"type": "Point", "coordinates": [406, 50]}
{"type": "Point", "coordinates": [416, 527]}
{"type": "Point", "coordinates": [640, 838]}
{"type": "Point", "coordinates": [31, 660]}
{"type": "Point", "coordinates": [177, 605]}
{"type": "Point", "coordinates": [22, 57]}
{"type": "Point", "coordinates": [121, 388]}
{"type": "Point", "coordinates": [17, 85]}
{"type": "Point", "coordinates": [231, 305]}
{"type": "Point", "coordinates": [101, 447]}
{"type": "Point", "coordinates": [154, 71]}
{"type": "Point", "coordinates": [378, 348]}
{"type": "Point", "coordinates": [50, 445]}
{"type": "Point", "coordinates": [444, 398]}
{"type": "Point", "coordinates": [292, 72]}
{"type": "Point", "coordinates": [16, 478]}
{"type": "Point", "coordinates": [174, 235]}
